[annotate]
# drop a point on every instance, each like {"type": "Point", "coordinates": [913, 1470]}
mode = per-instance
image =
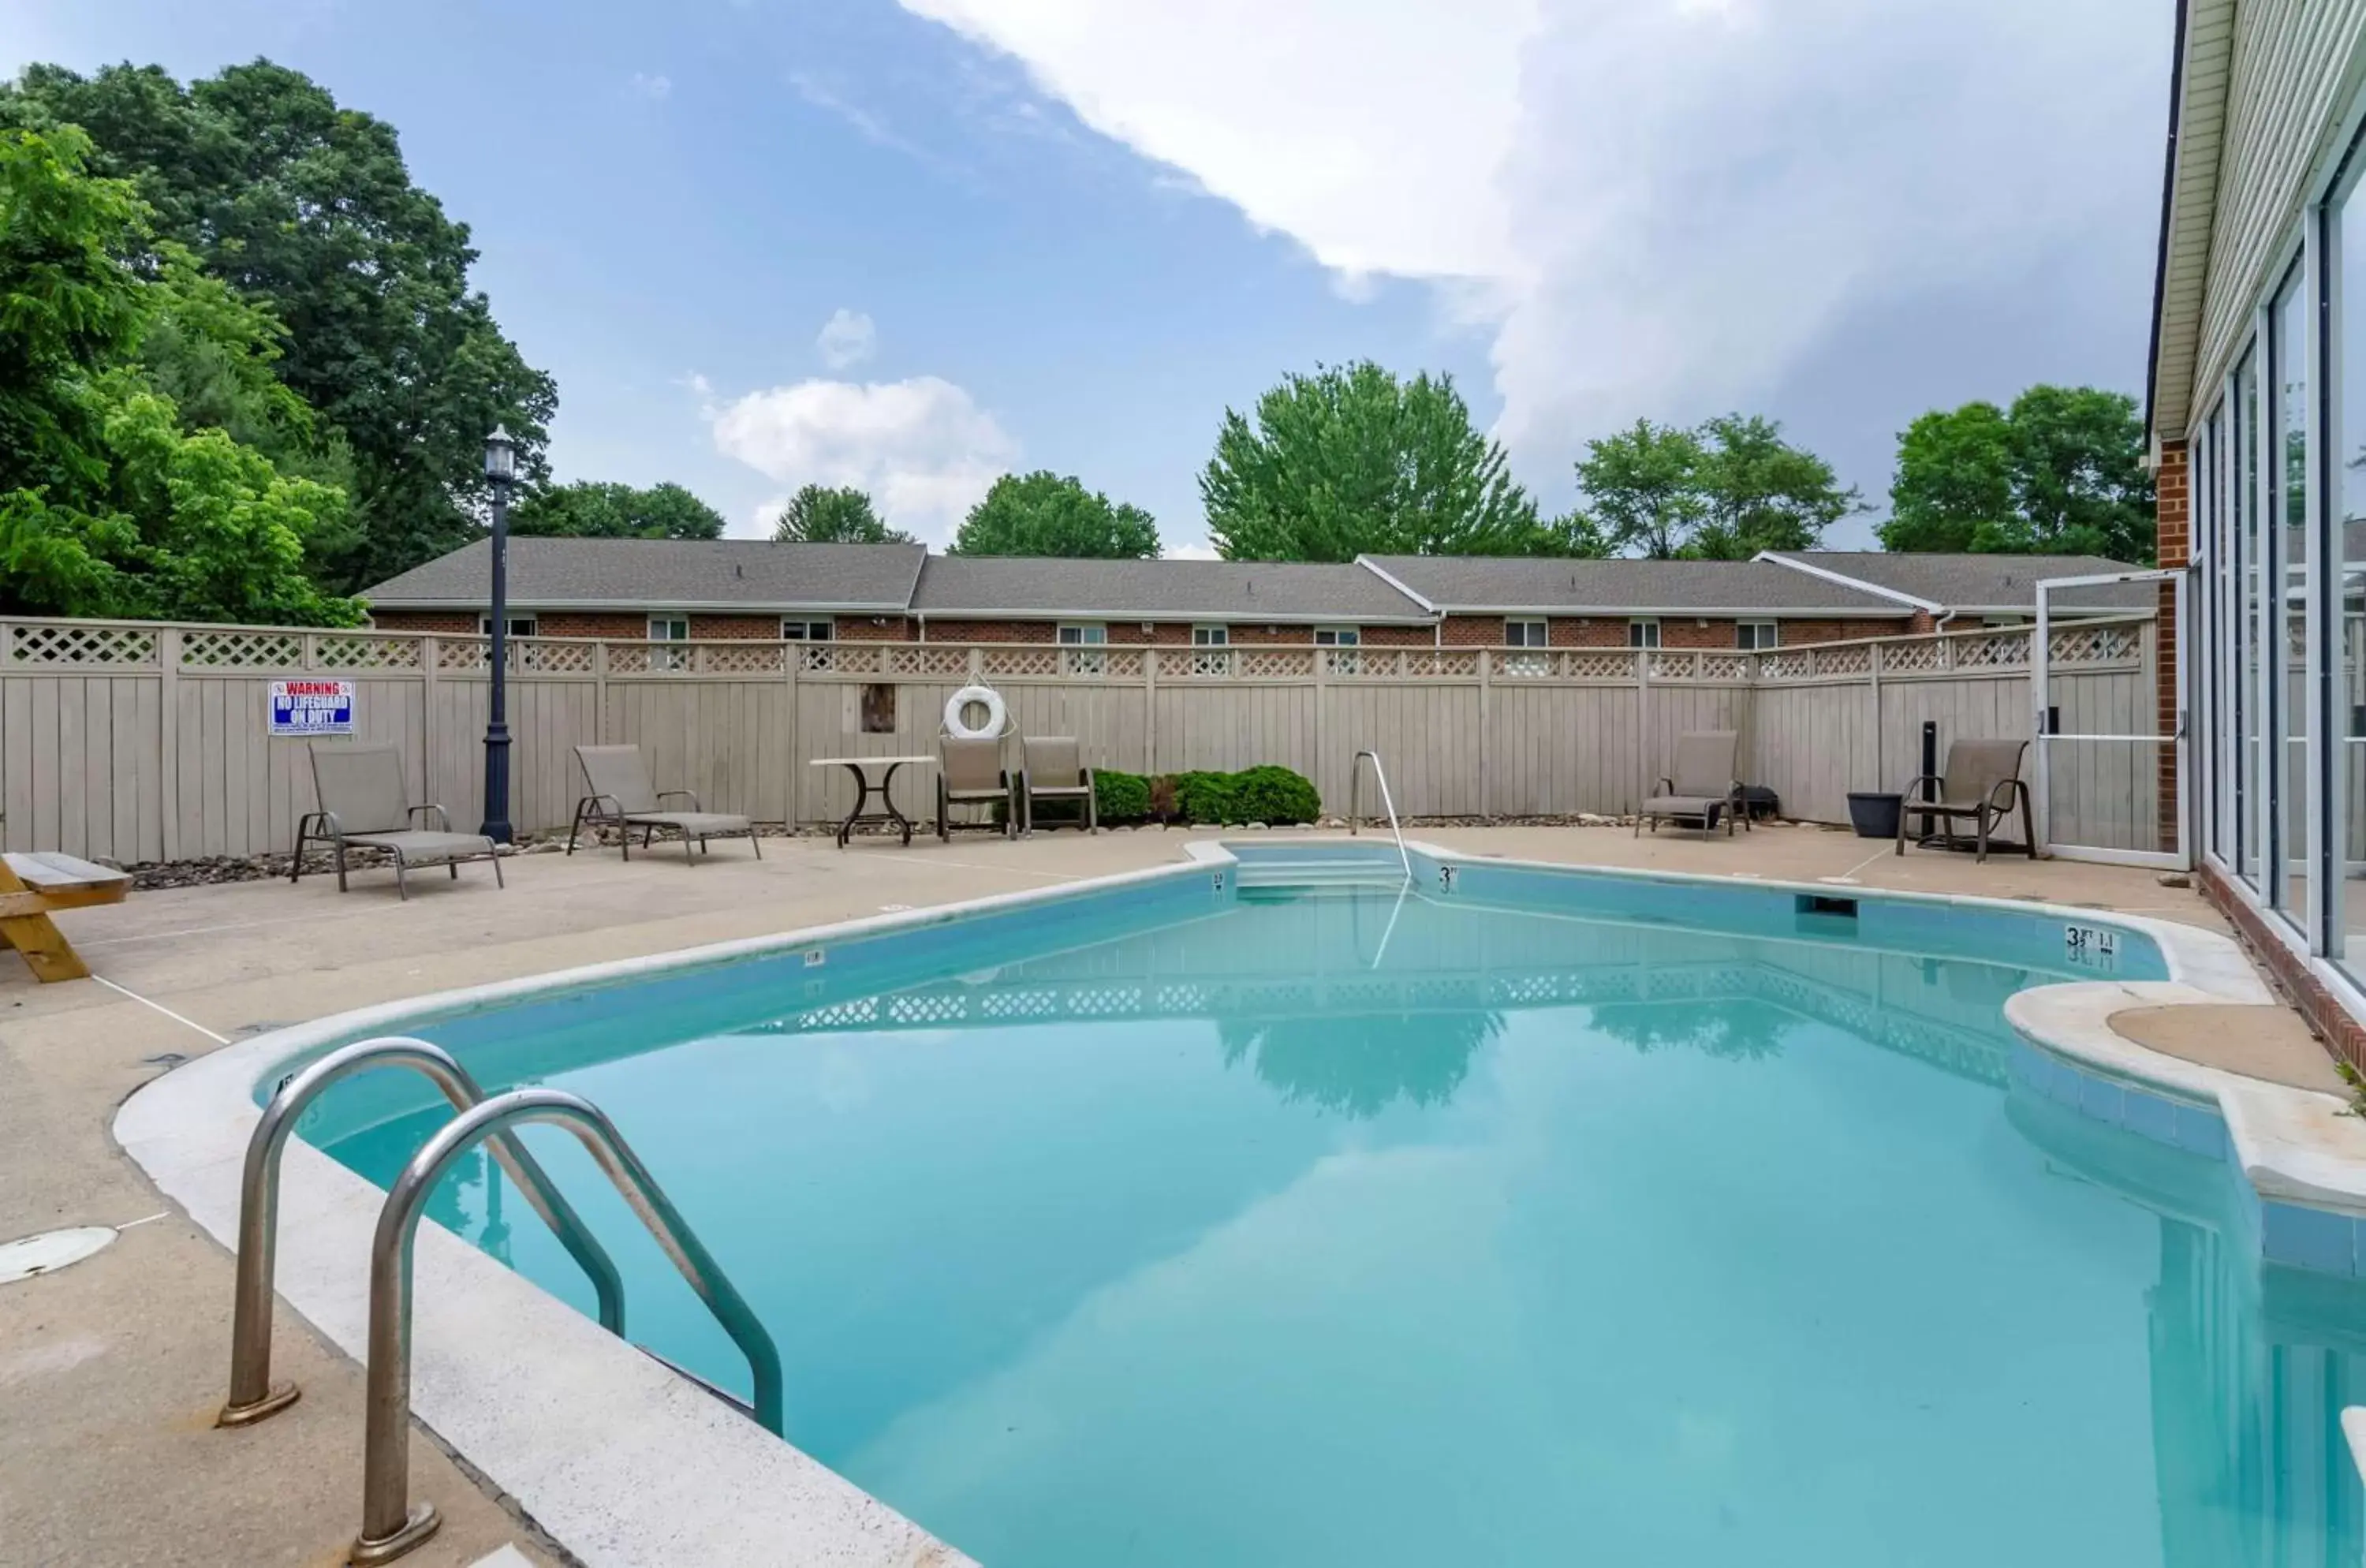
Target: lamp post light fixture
{"type": "Point", "coordinates": [500, 472]}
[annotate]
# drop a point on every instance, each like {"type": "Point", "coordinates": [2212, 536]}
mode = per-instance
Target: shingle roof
{"type": "Point", "coordinates": [1974, 583]}
{"type": "Point", "coordinates": [664, 573]}
{"type": "Point", "coordinates": [1627, 587]}
{"type": "Point", "coordinates": [989, 586]}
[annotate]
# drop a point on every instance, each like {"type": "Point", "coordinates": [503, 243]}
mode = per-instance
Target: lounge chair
{"type": "Point", "coordinates": [365, 802]}
{"type": "Point", "coordinates": [623, 797]}
{"type": "Point", "coordinates": [1702, 787]}
{"type": "Point", "coordinates": [1052, 770]}
{"type": "Point", "coordinates": [31, 887]}
{"type": "Point", "coordinates": [971, 774]}
{"type": "Point", "coordinates": [1980, 783]}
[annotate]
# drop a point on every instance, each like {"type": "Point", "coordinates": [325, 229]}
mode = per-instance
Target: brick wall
{"type": "Point", "coordinates": [1399, 636]}
{"type": "Point", "coordinates": [875, 629]}
{"type": "Point", "coordinates": [2287, 971]}
{"type": "Point", "coordinates": [611, 623]}
{"type": "Point", "coordinates": [457, 621]}
{"type": "Point", "coordinates": [996, 631]}
{"type": "Point", "coordinates": [2172, 532]}
{"type": "Point", "coordinates": [735, 628]}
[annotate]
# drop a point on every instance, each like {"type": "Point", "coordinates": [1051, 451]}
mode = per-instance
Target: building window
{"type": "Point", "coordinates": [669, 628]}
{"type": "Point", "coordinates": [1080, 644]}
{"type": "Point", "coordinates": [1752, 637]}
{"type": "Point", "coordinates": [2248, 690]}
{"type": "Point", "coordinates": [1337, 636]}
{"type": "Point", "coordinates": [1343, 657]}
{"type": "Point", "coordinates": [792, 630]}
{"type": "Point", "coordinates": [1210, 651]}
{"type": "Point", "coordinates": [1525, 634]}
{"type": "Point", "coordinates": [520, 625]}
{"type": "Point", "coordinates": [1643, 633]}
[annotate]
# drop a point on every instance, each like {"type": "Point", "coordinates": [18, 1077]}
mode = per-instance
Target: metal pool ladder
{"type": "Point", "coordinates": [390, 1525]}
{"type": "Point", "coordinates": [253, 1394]}
{"type": "Point", "coordinates": [1356, 800]}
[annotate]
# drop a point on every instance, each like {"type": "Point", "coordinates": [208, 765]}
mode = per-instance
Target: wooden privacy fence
{"type": "Point", "coordinates": [144, 742]}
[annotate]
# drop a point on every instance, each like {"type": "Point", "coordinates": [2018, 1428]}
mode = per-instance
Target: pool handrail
{"type": "Point", "coordinates": [253, 1395]}
{"type": "Point", "coordinates": [390, 1527]}
{"type": "Point", "coordinates": [1356, 801]}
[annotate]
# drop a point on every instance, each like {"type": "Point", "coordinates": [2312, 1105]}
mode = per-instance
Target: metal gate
{"type": "Point", "coordinates": [2110, 778]}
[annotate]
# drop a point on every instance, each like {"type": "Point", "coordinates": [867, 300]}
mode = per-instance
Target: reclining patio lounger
{"type": "Point", "coordinates": [31, 884]}
{"type": "Point", "coordinates": [364, 800]}
{"type": "Point", "coordinates": [622, 795]}
{"type": "Point", "coordinates": [1702, 787]}
{"type": "Point", "coordinates": [1981, 781]}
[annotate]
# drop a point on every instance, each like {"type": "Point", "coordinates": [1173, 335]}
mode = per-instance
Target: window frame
{"type": "Point", "coordinates": [1538, 625]}
{"type": "Point", "coordinates": [1212, 634]}
{"type": "Point", "coordinates": [529, 621]}
{"type": "Point", "coordinates": [1089, 633]}
{"type": "Point", "coordinates": [1644, 633]}
{"type": "Point", "coordinates": [669, 619]}
{"type": "Point", "coordinates": [1764, 636]}
{"type": "Point", "coordinates": [806, 627]}
{"type": "Point", "coordinates": [1338, 637]}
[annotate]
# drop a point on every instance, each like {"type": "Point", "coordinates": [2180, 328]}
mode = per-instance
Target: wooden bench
{"type": "Point", "coordinates": [34, 883]}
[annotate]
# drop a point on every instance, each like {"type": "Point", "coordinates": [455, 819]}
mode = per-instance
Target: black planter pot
{"type": "Point", "coordinates": [1874, 814]}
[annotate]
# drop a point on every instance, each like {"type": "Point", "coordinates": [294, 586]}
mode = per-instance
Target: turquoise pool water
{"type": "Point", "coordinates": [1334, 1228]}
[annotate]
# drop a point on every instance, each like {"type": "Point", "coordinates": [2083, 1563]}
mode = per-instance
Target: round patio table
{"type": "Point", "coordinates": [872, 776]}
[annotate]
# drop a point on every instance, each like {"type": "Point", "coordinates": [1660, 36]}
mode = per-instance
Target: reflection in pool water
{"type": "Point", "coordinates": [1256, 1240]}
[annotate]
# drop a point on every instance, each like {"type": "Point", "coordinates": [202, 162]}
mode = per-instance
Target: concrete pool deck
{"type": "Point", "coordinates": [110, 1371]}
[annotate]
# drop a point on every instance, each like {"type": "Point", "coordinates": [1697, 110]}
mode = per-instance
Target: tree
{"type": "Point", "coordinates": [307, 209]}
{"type": "Point", "coordinates": [110, 503]}
{"type": "Point", "coordinates": [592, 510]}
{"type": "Point", "coordinates": [1045, 514]}
{"type": "Point", "coordinates": [2060, 473]}
{"type": "Point", "coordinates": [819, 515]}
{"type": "Point", "coordinates": [1643, 487]}
{"type": "Point", "coordinates": [1762, 492]}
{"type": "Point", "coordinates": [1351, 460]}
{"type": "Point", "coordinates": [1722, 490]}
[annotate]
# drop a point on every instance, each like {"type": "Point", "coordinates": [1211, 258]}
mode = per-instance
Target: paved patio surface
{"type": "Point", "coordinates": [111, 1370]}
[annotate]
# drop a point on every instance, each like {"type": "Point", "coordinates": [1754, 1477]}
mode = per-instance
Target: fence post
{"type": "Point", "coordinates": [431, 660]}
{"type": "Point", "coordinates": [791, 655]}
{"type": "Point", "coordinates": [1150, 711]}
{"type": "Point", "coordinates": [1642, 658]}
{"type": "Point", "coordinates": [1873, 680]}
{"type": "Point", "coordinates": [1322, 716]}
{"type": "Point", "coordinates": [168, 741]}
{"type": "Point", "coordinates": [1486, 735]}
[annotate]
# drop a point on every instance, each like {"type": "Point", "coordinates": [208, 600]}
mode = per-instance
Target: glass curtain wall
{"type": "Point", "coordinates": [2210, 663]}
{"type": "Point", "coordinates": [2249, 724]}
{"type": "Point", "coordinates": [2285, 556]}
{"type": "Point", "coordinates": [2345, 271]}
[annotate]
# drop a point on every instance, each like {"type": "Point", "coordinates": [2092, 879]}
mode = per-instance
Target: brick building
{"type": "Point", "coordinates": [691, 590]}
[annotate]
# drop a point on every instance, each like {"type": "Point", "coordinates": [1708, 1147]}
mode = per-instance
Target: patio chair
{"type": "Point", "coordinates": [1051, 769]}
{"type": "Point", "coordinates": [365, 802]}
{"type": "Point", "coordinates": [1702, 785]}
{"type": "Point", "coordinates": [1981, 781]}
{"type": "Point", "coordinates": [623, 797]}
{"type": "Point", "coordinates": [971, 773]}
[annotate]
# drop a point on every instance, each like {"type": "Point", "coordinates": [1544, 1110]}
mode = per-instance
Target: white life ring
{"type": "Point", "coordinates": [960, 728]}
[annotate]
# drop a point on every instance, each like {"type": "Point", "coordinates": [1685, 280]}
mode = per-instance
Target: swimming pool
{"type": "Point", "coordinates": [1522, 1215]}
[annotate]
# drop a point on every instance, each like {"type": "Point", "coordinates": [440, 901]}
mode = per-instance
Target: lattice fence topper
{"type": "Point", "coordinates": [463, 653]}
{"type": "Point", "coordinates": [1020, 659]}
{"type": "Point", "coordinates": [555, 657]}
{"type": "Point", "coordinates": [82, 645]}
{"type": "Point", "coordinates": [2095, 645]}
{"type": "Point", "coordinates": [1724, 666]}
{"type": "Point", "coordinates": [1991, 651]}
{"type": "Point", "coordinates": [1438, 662]}
{"type": "Point", "coordinates": [1603, 665]}
{"type": "Point", "coordinates": [825, 658]}
{"type": "Point", "coordinates": [1274, 663]}
{"type": "Point", "coordinates": [1792, 664]}
{"type": "Point", "coordinates": [933, 660]}
{"type": "Point", "coordinates": [206, 649]}
{"type": "Point", "coordinates": [1914, 657]}
{"type": "Point", "coordinates": [1843, 658]}
{"type": "Point", "coordinates": [1209, 663]}
{"type": "Point", "coordinates": [743, 658]}
{"type": "Point", "coordinates": [366, 652]}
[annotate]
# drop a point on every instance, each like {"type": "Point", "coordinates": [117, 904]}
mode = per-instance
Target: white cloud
{"type": "Point", "coordinates": [656, 89]}
{"type": "Point", "coordinates": [1661, 207]}
{"type": "Point", "coordinates": [847, 338]}
{"type": "Point", "coordinates": [1192, 549]}
{"type": "Point", "coordinates": [922, 447]}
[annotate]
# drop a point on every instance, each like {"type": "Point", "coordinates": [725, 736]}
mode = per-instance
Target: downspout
{"type": "Point", "coordinates": [2167, 205]}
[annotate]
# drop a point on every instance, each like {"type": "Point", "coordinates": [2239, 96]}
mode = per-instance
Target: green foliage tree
{"type": "Point", "coordinates": [110, 503]}
{"type": "Point", "coordinates": [590, 509]}
{"type": "Point", "coordinates": [1351, 460]}
{"type": "Point", "coordinates": [2061, 472]}
{"type": "Point", "coordinates": [307, 209]}
{"type": "Point", "coordinates": [1045, 514]}
{"type": "Point", "coordinates": [1723, 490]}
{"type": "Point", "coordinates": [820, 514]}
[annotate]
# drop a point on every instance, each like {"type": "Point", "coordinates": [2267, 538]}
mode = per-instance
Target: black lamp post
{"type": "Point", "coordinates": [500, 470]}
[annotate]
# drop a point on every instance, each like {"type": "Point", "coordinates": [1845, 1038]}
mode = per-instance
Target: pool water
{"type": "Point", "coordinates": [1346, 1228]}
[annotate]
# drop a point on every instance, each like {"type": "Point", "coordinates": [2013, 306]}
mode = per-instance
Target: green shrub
{"type": "Point", "coordinates": [1275, 795]}
{"type": "Point", "coordinates": [1205, 797]}
{"type": "Point", "coordinates": [1120, 797]}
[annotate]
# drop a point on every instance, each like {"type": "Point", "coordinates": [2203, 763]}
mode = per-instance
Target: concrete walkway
{"type": "Point", "coordinates": [111, 1370]}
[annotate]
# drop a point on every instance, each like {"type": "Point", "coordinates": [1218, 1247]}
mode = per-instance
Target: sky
{"type": "Point", "coordinates": [912, 244]}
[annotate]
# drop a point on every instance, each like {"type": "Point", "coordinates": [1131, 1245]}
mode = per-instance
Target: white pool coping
{"type": "Point", "coordinates": [628, 1465]}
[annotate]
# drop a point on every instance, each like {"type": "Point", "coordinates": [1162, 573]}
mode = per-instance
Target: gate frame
{"type": "Point", "coordinates": [2041, 656]}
